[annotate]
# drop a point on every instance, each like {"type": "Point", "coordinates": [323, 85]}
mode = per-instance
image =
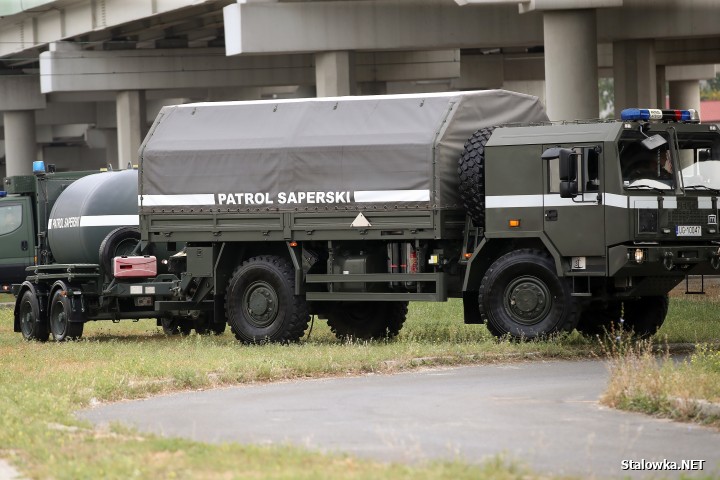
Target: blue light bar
{"type": "Point", "coordinates": [39, 167]}
{"type": "Point", "coordinates": [647, 114]}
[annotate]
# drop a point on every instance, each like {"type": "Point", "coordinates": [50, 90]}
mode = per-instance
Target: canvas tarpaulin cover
{"type": "Point", "coordinates": [392, 151]}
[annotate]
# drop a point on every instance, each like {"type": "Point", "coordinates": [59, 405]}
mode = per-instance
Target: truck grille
{"type": "Point", "coordinates": [683, 216]}
{"type": "Point", "coordinates": [687, 213]}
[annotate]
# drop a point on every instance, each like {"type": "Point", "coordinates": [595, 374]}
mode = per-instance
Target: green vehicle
{"type": "Point", "coordinates": [348, 208]}
{"type": "Point", "coordinates": [25, 203]}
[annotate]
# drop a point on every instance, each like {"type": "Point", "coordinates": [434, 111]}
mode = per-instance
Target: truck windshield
{"type": "Point", "coordinates": [700, 160]}
{"type": "Point", "coordinates": [645, 167]}
{"type": "Point", "coordinates": [10, 218]}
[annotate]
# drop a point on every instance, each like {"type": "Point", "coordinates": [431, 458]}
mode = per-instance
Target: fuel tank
{"type": "Point", "coordinates": [88, 210]}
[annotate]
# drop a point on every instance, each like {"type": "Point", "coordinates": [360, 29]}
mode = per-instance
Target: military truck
{"type": "Point", "coordinates": [349, 208]}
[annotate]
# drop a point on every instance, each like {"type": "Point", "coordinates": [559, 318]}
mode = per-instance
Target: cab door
{"type": "Point", "coordinates": [17, 239]}
{"type": "Point", "coordinates": [576, 226]}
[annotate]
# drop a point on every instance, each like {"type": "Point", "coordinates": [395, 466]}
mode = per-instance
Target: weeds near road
{"type": "Point", "coordinates": [643, 381]}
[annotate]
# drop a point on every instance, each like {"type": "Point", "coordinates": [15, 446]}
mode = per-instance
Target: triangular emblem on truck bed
{"type": "Point", "coordinates": [360, 221]}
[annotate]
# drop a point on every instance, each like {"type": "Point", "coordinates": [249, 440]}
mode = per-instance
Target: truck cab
{"type": "Point", "coordinates": [17, 239]}
{"type": "Point", "coordinates": [627, 210]}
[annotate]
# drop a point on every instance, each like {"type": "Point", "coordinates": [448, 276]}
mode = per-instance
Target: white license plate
{"type": "Point", "coordinates": [688, 231]}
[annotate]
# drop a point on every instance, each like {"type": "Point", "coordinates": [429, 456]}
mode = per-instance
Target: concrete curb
{"type": "Point", "coordinates": [7, 472]}
{"type": "Point", "coordinates": [703, 408]}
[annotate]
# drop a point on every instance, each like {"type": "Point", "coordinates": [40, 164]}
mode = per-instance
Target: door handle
{"type": "Point", "coordinates": [551, 215]}
{"type": "Point", "coordinates": [24, 245]}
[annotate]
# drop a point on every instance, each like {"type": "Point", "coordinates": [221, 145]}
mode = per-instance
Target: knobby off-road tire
{"type": "Point", "coordinates": [645, 315]}
{"type": "Point", "coordinates": [597, 319]}
{"type": "Point", "coordinates": [471, 170]}
{"type": "Point", "coordinates": [367, 320]}
{"type": "Point", "coordinates": [61, 328]}
{"type": "Point", "coordinates": [205, 325]}
{"type": "Point", "coordinates": [176, 326]}
{"type": "Point", "coordinates": [33, 322]}
{"type": "Point", "coordinates": [522, 296]}
{"type": "Point", "coordinates": [261, 304]}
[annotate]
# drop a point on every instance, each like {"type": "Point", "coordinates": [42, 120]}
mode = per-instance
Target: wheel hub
{"type": "Point", "coordinates": [261, 304]}
{"type": "Point", "coordinates": [528, 300]}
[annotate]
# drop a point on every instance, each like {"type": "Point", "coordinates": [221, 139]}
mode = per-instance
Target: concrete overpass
{"type": "Point", "coordinates": [81, 79]}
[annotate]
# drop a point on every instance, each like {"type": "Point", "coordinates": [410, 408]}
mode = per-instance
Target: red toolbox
{"type": "Point", "coordinates": [131, 267]}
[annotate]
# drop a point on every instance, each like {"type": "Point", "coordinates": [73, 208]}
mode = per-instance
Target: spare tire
{"type": "Point", "coordinates": [471, 169]}
{"type": "Point", "coordinates": [119, 242]}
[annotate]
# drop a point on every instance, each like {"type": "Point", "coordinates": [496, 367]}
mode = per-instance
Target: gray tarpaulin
{"type": "Point", "coordinates": [385, 150]}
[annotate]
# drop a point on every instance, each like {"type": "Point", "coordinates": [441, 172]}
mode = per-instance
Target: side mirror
{"type": "Point", "coordinates": [568, 189]}
{"type": "Point", "coordinates": [568, 173]}
{"type": "Point", "coordinates": [568, 165]}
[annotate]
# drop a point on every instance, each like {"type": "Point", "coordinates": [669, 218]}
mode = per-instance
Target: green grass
{"type": "Point", "coordinates": [6, 297]}
{"type": "Point", "coordinates": [43, 383]}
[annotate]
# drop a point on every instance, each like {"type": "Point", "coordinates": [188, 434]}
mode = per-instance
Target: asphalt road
{"type": "Point", "coordinates": [544, 414]}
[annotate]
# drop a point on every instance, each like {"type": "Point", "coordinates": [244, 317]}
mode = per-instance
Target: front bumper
{"type": "Point", "coordinates": [664, 260]}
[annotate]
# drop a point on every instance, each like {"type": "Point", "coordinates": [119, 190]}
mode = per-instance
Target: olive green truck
{"type": "Point", "coordinates": [261, 214]}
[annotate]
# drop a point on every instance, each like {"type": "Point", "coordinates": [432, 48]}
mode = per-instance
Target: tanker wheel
{"type": "Point", "coordinates": [367, 320]}
{"type": "Point", "coordinates": [61, 327]}
{"type": "Point", "coordinates": [471, 170]}
{"type": "Point", "coordinates": [645, 315]}
{"type": "Point", "coordinates": [522, 296]}
{"type": "Point", "coordinates": [600, 319]}
{"type": "Point", "coordinates": [33, 322]}
{"type": "Point", "coordinates": [204, 325]}
{"type": "Point", "coordinates": [120, 242]}
{"type": "Point", "coordinates": [176, 325]}
{"type": "Point", "coordinates": [261, 304]}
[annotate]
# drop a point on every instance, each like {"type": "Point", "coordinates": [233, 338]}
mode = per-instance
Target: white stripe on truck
{"type": "Point", "coordinates": [94, 221]}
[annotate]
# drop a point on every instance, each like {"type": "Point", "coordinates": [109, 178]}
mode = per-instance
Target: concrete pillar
{"type": "Point", "coordinates": [661, 85]}
{"type": "Point", "coordinates": [111, 147]}
{"type": "Point", "coordinates": [334, 74]}
{"type": "Point", "coordinates": [130, 125]}
{"type": "Point", "coordinates": [20, 146]}
{"type": "Point", "coordinates": [634, 71]}
{"type": "Point", "coordinates": [685, 94]}
{"type": "Point", "coordinates": [571, 64]}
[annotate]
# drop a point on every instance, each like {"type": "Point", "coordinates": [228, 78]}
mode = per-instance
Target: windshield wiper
{"type": "Point", "coordinates": [702, 187]}
{"type": "Point", "coordinates": [645, 187]}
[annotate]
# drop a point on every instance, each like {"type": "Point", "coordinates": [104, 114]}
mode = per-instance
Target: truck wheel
{"type": "Point", "coordinates": [261, 304]}
{"type": "Point", "coordinates": [176, 326]}
{"type": "Point", "coordinates": [521, 295]}
{"type": "Point", "coordinates": [33, 323]}
{"type": "Point", "coordinates": [61, 327]}
{"type": "Point", "coordinates": [121, 241]}
{"type": "Point", "coordinates": [645, 315]}
{"type": "Point", "coordinates": [367, 320]}
{"type": "Point", "coordinates": [205, 326]}
{"type": "Point", "coordinates": [471, 169]}
{"type": "Point", "coordinates": [598, 319]}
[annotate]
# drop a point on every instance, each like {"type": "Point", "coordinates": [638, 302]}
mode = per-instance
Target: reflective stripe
{"type": "Point", "coordinates": [109, 220]}
{"type": "Point", "coordinates": [513, 201]}
{"type": "Point", "coordinates": [101, 221]}
{"type": "Point", "coordinates": [615, 200]}
{"type": "Point", "coordinates": [704, 202]}
{"type": "Point", "coordinates": [376, 196]}
{"type": "Point", "coordinates": [554, 200]}
{"type": "Point", "coordinates": [176, 200]}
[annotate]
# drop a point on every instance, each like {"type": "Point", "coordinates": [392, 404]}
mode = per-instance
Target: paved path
{"type": "Point", "coordinates": [545, 414]}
